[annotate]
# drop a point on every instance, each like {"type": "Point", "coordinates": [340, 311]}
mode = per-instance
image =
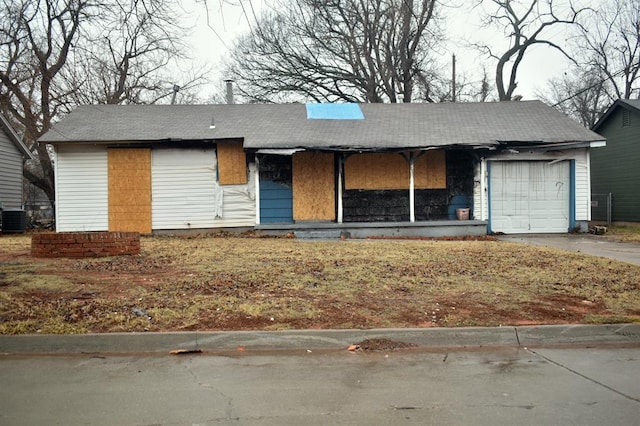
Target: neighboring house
{"type": "Point", "coordinates": [12, 152]}
{"type": "Point", "coordinates": [616, 168]}
{"type": "Point", "coordinates": [520, 167]}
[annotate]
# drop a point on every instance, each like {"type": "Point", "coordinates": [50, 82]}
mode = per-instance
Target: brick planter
{"type": "Point", "coordinates": [85, 244]}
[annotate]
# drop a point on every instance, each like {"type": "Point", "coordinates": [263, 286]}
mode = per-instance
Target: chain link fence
{"type": "Point", "coordinates": [601, 208]}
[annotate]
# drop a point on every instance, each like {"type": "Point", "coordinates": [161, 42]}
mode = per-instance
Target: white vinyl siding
{"type": "Point", "coordinates": [480, 203]}
{"type": "Point", "coordinates": [10, 174]}
{"type": "Point", "coordinates": [81, 189]}
{"type": "Point", "coordinates": [185, 193]}
{"type": "Point", "coordinates": [239, 206]}
{"type": "Point", "coordinates": [583, 185]}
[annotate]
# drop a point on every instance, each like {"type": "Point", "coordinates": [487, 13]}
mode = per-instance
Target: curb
{"type": "Point", "coordinates": [467, 337]}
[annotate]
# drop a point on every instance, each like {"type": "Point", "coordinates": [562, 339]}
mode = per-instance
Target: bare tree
{"type": "Point", "coordinates": [350, 50]}
{"type": "Point", "coordinates": [610, 37]}
{"type": "Point", "coordinates": [125, 56]}
{"type": "Point", "coordinates": [525, 24]}
{"type": "Point", "coordinates": [472, 90]}
{"type": "Point", "coordinates": [582, 95]}
{"type": "Point", "coordinates": [56, 54]}
{"type": "Point", "coordinates": [35, 40]}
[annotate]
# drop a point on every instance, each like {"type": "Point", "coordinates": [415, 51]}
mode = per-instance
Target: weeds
{"type": "Point", "coordinates": [269, 284]}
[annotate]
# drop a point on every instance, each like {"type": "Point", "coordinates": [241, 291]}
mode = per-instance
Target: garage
{"type": "Point", "coordinates": [529, 196]}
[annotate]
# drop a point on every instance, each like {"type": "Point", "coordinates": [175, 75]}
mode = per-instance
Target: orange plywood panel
{"type": "Point", "coordinates": [232, 163]}
{"type": "Point", "coordinates": [387, 171]}
{"type": "Point", "coordinates": [430, 170]}
{"type": "Point", "coordinates": [376, 171]}
{"type": "Point", "coordinates": [129, 189]}
{"type": "Point", "coordinates": [314, 196]}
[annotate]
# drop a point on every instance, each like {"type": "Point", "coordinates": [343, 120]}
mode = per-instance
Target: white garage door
{"type": "Point", "coordinates": [529, 196]}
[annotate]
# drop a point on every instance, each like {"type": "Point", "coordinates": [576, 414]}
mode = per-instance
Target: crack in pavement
{"type": "Point", "coordinates": [229, 407]}
{"type": "Point", "coordinates": [577, 373]}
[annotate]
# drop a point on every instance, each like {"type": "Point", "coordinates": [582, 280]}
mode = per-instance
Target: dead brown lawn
{"type": "Point", "coordinates": [625, 233]}
{"type": "Point", "coordinates": [225, 283]}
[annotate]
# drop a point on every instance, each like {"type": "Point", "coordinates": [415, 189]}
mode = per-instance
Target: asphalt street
{"type": "Point", "coordinates": [562, 375]}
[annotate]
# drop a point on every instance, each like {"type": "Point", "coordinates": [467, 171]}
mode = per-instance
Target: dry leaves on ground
{"type": "Point", "coordinates": [235, 283]}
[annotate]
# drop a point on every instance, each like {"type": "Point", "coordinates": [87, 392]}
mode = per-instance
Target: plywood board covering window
{"type": "Point", "coordinates": [314, 186]}
{"type": "Point", "coordinates": [430, 170]}
{"type": "Point", "coordinates": [232, 164]}
{"type": "Point", "coordinates": [388, 171]}
{"type": "Point", "coordinates": [130, 190]}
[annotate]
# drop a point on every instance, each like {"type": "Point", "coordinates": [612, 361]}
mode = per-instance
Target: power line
{"type": "Point", "coordinates": [593, 86]}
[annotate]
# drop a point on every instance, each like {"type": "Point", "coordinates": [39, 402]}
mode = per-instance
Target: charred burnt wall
{"type": "Point", "coordinates": [276, 168]}
{"type": "Point", "coordinates": [430, 204]}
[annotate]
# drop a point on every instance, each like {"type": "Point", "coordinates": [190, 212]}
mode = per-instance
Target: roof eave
{"type": "Point", "coordinates": [558, 146]}
{"type": "Point", "coordinates": [605, 116]}
{"type": "Point", "coordinates": [13, 136]}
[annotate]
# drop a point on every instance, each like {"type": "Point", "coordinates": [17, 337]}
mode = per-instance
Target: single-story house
{"type": "Point", "coordinates": [614, 169]}
{"type": "Point", "coordinates": [12, 153]}
{"type": "Point", "coordinates": [519, 167]}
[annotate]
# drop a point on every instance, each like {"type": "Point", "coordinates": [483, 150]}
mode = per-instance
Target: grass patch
{"type": "Point", "coordinates": [217, 283]}
{"type": "Point", "coordinates": [625, 233]}
{"type": "Point", "coordinates": [21, 277]}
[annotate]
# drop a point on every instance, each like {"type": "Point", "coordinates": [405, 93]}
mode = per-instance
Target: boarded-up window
{"type": "Point", "coordinates": [232, 164]}
{"type": "Point", "coordinates": [376, 171]}
{"type": "Point", "coordinates": [430, 170]}
{"type": "Point", "coordinates": [130, 190]}
{"type": "Point", "coordinates": [392, 171]}
{"type": "Point", "coordinates": [314, 186]}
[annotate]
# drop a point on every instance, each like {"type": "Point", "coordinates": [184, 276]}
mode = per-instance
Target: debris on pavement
{"type": "Point", "coordinates": [379, 345]}
{"type": "Point", "coordinates": [185, 351]}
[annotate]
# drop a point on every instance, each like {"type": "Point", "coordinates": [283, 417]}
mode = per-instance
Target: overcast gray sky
{"type": "Point", "coordinates": [210, 40]}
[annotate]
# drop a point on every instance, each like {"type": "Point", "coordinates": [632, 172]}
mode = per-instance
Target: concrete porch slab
{"type": "Point", "coordinates": [331, 230]}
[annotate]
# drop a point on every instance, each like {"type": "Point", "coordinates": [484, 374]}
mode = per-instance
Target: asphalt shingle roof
{"type": "Point", "coordinates": [385, 126]}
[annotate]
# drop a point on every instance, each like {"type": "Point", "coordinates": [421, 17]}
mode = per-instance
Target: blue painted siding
{"type": "Point", "coordinates": [459, 202]}
{"type": "Point", "coordinates": [276, 203]}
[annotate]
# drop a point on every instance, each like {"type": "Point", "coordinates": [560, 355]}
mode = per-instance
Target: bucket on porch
{"type": "Point", "coordinates": [462, 214]}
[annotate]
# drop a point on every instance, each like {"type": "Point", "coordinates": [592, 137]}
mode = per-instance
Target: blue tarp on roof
{"type": "Point", "coordinates": [334, 112]}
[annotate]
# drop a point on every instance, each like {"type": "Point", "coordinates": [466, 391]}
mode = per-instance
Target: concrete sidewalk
{"type": "Point", "coordinates": [301, 340]}
{"type": "Point", "coordinates": [472, 376]}
{"type": "Point", "coordinates": [593, 245]}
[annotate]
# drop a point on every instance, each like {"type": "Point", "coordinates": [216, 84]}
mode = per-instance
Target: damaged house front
{"type": "Point", "coordinates": [369, 169]}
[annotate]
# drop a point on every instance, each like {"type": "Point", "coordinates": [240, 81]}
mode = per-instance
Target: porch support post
{"type": "Point", "coordinates": [412, 189]}
{"type": "Point", "coordinates": [483, 213]}
{"type": "Point", "coordinates": [257, 177]}
{"type": "Point", "coordinates": [340, 166]}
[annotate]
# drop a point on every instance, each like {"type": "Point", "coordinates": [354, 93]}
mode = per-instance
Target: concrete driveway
{"type": "Point", "coordinates": [593, 245]}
